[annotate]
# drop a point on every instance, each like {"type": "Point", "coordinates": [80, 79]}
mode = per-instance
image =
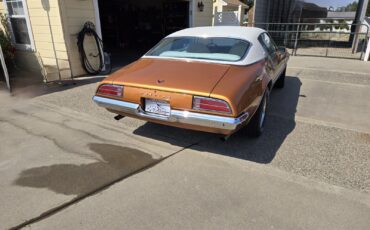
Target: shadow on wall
{"type": "Point", "coordinates": [25, 70]}
{"type": "Point", "coordinates": [112, 162]}
{"type": "Point", "coordinates": [279, 124]}
{"type": "Point", "coordinates": [27, 77]}
{"type": "Point", "coordinates": [42, 69]}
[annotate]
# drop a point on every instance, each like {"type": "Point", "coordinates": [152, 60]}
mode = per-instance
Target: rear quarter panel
{"type": "Point", "coordinates": [243, 87]}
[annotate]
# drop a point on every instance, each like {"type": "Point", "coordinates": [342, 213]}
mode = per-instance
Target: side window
{"type": "Point", "coordinates": [267, 43]}
{"type": "Point", "coordinates": [19, 23]}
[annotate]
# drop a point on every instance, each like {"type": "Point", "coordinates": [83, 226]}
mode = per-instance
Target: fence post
{"type": "Point", "coordinates": [240, 15]}
{"type": "Point", "coordinates": [296, 40]}
{"type": "Point", "coordinates": [329, 40]}
{"type": "Point", "coordinates": [355, 39]}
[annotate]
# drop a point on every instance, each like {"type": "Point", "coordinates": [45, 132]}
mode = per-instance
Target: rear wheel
{"type": "Point", "coordinates": [281, 81]}
{"type": "Point", "coordinates": [257, 123]}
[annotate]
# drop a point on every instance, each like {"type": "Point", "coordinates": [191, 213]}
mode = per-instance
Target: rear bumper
{"type": "Point", "coordinates": [176, 116]}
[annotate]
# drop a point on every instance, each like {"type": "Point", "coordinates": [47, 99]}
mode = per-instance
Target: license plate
{"type": "Point", "coordinates": [157, 107]}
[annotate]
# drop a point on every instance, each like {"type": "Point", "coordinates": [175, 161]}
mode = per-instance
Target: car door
{"type": "Point", "coordinates": [273, 61]}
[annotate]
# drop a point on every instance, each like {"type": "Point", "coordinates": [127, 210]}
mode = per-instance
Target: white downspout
{"type": "Point", "coordinates": [367, 53]}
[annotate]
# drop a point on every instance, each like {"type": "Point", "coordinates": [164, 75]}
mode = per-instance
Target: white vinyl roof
{"type": "Point", "coordinates": [250, 34]}
{"type": "Point", "coordinates": [240, 32]}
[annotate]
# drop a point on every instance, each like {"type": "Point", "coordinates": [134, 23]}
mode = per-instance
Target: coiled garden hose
{"type": "Point", "coordinates": [89, 30]}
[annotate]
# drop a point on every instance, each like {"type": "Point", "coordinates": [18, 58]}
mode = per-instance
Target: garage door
{"type": "Point", "coordinates": [140, 24]}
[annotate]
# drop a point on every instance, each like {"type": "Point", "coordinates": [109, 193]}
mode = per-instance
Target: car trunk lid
{"type": "Point", "coordinates": [180, 76]}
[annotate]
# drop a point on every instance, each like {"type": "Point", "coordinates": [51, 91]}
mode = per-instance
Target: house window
{"type": "Point", "coordinates": [19, 23]}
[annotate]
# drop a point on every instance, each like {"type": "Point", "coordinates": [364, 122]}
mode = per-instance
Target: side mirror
{"type": "Point", "coordinates": [282, 49]}
{"type": "Point", "coordinates": [283, 52]}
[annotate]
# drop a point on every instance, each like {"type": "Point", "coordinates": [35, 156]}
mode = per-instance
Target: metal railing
{"type": "Point", "coordinates": [340, 40]}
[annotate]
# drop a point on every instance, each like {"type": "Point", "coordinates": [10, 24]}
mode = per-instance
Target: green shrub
{"type": "Point", "coordinates": [5, 39]}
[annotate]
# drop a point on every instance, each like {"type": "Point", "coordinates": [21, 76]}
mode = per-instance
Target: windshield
{"type": "Point", "coordinates": [216, 49]}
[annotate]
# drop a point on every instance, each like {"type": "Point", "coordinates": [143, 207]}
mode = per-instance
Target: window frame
{"type": "Point", "coordinates": [25, 47]}
{"type": "Point", "coordinates": [148, 54]}
{"type": "Point", "coordinates": [261, 41]}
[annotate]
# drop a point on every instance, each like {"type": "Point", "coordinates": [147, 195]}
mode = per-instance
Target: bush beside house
{"type": "Point", "coordinates": [5, 40]}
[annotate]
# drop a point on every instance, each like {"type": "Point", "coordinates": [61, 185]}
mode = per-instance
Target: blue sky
{"type": "Point", "coordinates": [328, 3]}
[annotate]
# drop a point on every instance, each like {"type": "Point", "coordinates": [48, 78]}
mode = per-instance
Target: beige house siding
{"type": "Point", "coordinates": [2, 10]}
{"type": "Point", "coordinates": [2, 6]}
{"type": "Point", "coordinates": [42, 30]}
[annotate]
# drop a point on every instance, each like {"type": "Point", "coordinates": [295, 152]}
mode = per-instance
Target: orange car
{"type": "Point", "coordinates": [212, 79]}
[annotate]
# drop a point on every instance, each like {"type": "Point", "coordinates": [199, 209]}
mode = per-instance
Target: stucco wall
{"type": "Point", "coordinates": [204, 18]}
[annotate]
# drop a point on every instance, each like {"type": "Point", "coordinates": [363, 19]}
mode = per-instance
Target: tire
{"type": "Point", "coordinates": [281, 81]}
{"type": "Point", "coordinates": [256, 125]}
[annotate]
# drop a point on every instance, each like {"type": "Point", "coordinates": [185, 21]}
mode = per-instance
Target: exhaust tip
{"type": "Point", "coordinates": [118, 117]}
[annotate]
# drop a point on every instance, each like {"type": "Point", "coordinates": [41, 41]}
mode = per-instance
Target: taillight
{"type": "Point", "coordinates": [211, 104]}
{"type": "Point", "coordinates": [111, 90]}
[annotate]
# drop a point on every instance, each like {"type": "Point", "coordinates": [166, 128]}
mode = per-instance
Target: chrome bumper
{"type": "Point", "coordinates": [184, 117]}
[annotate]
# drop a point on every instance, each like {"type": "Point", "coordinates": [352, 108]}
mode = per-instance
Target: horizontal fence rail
{"type": "Point", "coordinates": [340, 40]}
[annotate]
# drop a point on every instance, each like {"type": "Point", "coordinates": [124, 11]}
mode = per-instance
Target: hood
{"type": "Point", "coordinates": [181, 76]}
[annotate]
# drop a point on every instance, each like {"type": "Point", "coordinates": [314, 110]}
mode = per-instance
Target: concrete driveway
{"type": "Point", "coordinates": [64, 162]}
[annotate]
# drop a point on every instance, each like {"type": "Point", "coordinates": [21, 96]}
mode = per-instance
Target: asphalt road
{"type": "Point", "coordinates": [66, 164]}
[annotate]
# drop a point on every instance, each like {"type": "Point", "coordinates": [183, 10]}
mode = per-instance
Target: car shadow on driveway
{"type": "Point", "coordinates": [112, 162]}
{"type": "Point", "coordinates": [279, 124]}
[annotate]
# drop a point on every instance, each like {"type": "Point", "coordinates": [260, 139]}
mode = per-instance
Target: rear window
{"type": "Point", "coordinates": [216, 49]}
